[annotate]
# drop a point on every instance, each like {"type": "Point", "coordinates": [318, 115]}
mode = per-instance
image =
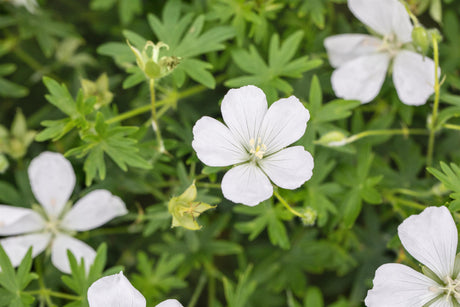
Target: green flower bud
{"type": "Point", "coordinates": [4, 164]}
{"type": "Point", "coordinates": [309, 216]}
{"type": "Point", "coordinates": [98, 89]}
{"type": "Point", "coordinates": [333, 139]}
{"type": "Point", "coordinates": [421, 39]}
{"type": "Point", "coordinates": [185, 210]}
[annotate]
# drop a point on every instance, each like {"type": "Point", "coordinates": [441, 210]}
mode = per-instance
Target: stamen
{"type": "Point", "coordinates": [259, 149]}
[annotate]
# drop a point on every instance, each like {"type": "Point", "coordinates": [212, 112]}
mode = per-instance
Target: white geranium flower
{"type": "Point", "coordinates": [254, 139]}
{"type": "Point", "coordinates": [30, 5]}
{"type": "Point", "coordinates": [52, 180]}
{"type": "Point", "coordinates": [361, 61]}
{"type": "Point", "coordinates": [431, 238]}
{"type": "Point", "coordinates": [117, 291]}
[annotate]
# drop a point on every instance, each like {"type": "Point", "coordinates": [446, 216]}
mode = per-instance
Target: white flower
{"type": "Point", "coordinates": [254, 140]}
{"type": "Point", "coordinates": [52, 181]}
{"type": "Point", "coordinates": [117, 291]}
{"type": "Point", "coordinates": [361, 61]}
{"type": "Point", "coordinates": [30, 5]}
{"type": "Point", "coordinates": [430, 237]}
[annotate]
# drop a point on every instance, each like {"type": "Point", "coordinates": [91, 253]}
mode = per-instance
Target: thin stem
{"type": "Point", "coordinates": [164, 102]}
{"type": "Point", "coordinates": [381, 132]}
{"type": "Point", "coordinates": [284, 202]}
{"type": "Point", "coordinates": [41, 283]}
{"type": "Point", "coordinates": [434, 117]}
{"type": "Point", "coordinates": [199, 288]}
{"type": "Point", "coordinates": [451, 126]}
{"type": "Point", "coordinates": [49, 292]}
{"type": "Point", "coordinates": [155, 124]}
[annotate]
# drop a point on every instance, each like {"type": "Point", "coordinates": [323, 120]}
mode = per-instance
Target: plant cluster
{"type": "Point", "coordinates": [237, 153]}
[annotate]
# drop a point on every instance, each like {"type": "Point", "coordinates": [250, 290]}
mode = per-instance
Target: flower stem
{"type": "Point", "coordinates": [155, 125]}
{"type": "Point", "coordinates": [164, 102]}
{"type": "Point", "coordinates": [199, 288]}
{"type": "Point", "coordinates": [49, 292]}
{"type": "Point", "coordinates": [451, 126]}
{"type": "Point", "coordinates": [284, 202]}
{"type": "Point", "coordinates": [434, 116]}
{"type": "Point", "coordinates": [361, 135]}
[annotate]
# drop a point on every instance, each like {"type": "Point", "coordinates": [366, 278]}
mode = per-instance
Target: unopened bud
{"type": "Point", "coordinates": [333, 139]}
{"type": "Point", "coordinates": [421, 39]}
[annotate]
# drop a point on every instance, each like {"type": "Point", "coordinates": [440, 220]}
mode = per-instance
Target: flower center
{"type": "Point", "coordinates": [390, 44]}
{"type": "Point", "coordinates": [452, 288]}
{"type": "Point", "coordinates": [257, 150]}
{"type": "Point", "coordinates": [52, 226]}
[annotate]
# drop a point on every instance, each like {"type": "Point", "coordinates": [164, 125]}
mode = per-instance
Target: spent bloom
{"type": "Point", "coordinates": [116, 291]}
{"type": "Point", "coordinates": [430, 237]}
{"type": "Point", "coordinates": [52, 181]}
{"type": "Point", "coordinates": [362, 61]}
{"type": "Point", "coordinates": [254, 139]}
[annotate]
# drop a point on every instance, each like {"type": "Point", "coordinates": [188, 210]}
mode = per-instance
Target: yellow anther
{"type": "Point", "coordinates": [259, 150]}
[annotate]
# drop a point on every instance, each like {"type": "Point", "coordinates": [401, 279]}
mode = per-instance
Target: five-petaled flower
{"type": "Point", "coordinates": [254, 140]}
{"type": "Point", "coordinates": [52, 181]}
{"type": "Point", "coordinates": [430, 237]}
{"type": "Point", "coordinates": [361, 61]}
{"type": "Point", "coordinates": [116, 290]}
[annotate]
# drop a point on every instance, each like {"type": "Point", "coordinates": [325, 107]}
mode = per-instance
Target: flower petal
{"type": "Point", "coordinates": [79, 249]}
{"type": "Point", "coordinates": [93, 210]}
{"type": "Point", "coordinates": [243, 110]}
{"type": "Point", "coordinates": [385, 17]}
{"type": "Point", "coordinates": [246, 184]}
{"type": "Point", "coordinates": [431, 238]}
{"type": "Point", "coordinates": [413, 77]}
{"type": "Point", "coordinates": [361, 78]}
{"type": "Point", "coordinates": [288, 168]}
{"type": "Point", "coordinates": [284, 123]}
{"type": "Point", "coordinates": [346, 47]}
{"type": "Point", "coordinates": [16, 247]}
{"type": "Point", "coordinates": [397, 285]}
{"type": "Point", "coordinates": [15, 220]}
{"type": "Point", "coordinates": [215, 145]}
{"type": "Point", "coordinates": [443, 302]}
{"type": "Point", "coordinates": [114, 291]}
{"type": "Point", "coordinates": [170, 303]}
{"type": "Point", "coordinates": [52, 180]}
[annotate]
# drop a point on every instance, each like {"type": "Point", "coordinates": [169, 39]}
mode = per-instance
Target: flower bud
{"type": "Point", "coordinates": [421, 39]}
{"type": "Point", "coordinates": [4, 164]}
{"type": "Point", "coordinates": [309, 216]}
{"type": "Point", "coordinates": [333, 139]}
{"type": "Point", "coordinates": [185, 210]}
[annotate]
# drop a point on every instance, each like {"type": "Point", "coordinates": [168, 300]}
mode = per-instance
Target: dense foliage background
{"type": "Point", "coordinates": [69, 83]}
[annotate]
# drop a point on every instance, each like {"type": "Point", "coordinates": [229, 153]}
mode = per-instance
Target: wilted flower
{"type": "Point", "coordinates": [185, 210]}
{"type": "Point", "coordinates": [151, 64]}
{"type": "Point", "coordinates": [254, 140]}
{"type": "Point", "coordinates": [52, 181]}
{"type": "Point", "coordinates": [430, 237]}
{"type": "Point", "coordinates": [116, 290]}
{"type": "Point", "coordinates": [361, 61]}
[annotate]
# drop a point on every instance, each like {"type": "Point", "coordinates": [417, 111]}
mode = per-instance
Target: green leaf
{"type": "Point", "coordinates": [281, 63]}
{"type": "Point", "coordinates": [313, 297]}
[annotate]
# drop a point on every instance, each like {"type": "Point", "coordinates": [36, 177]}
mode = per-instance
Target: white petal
{"type": "Point", "coordinates": [346, 47]}
{"type": "Point", "coordinates": [385, 17]}
{"type": "Point", "coordinates": [413, 77]}
{"type": "Point", "coordinates": [93, 210]}
{"type": "Point", "coordinates": [431, 238]}
{"type": "Point", "coordinates": [246, 184]}
{"type": "Point", "coordinates": [284, 123]}
{"type": "Point", "coordinates": [288, 168]}
{"type": "Point", "coordinates": [361, 78]}
{"type": "Point", "coordinates": [170, 303]}
{"type": "Point", "coordinates": [52, 180]}
{"type": "Point", "coordinates": [443, 302]}
{"type": "Point", "coordinates": [114, 291]}
{"type": "Point", "coordinates": [243, 110]}
{"type": "Point", "coordinates": [397, 285]}
{"type": "Point", "coordinates": [16, 220]}
{"type": "Point", "coordinates": [16, 247]}
{"type": "Point", "coordinates": [79, 249]}
{"type": "Point", "coordinates": [215, 145]}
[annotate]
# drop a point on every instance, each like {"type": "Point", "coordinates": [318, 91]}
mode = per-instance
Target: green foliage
{"type": "Point", "coordinates": [14, 282]}
{"type": "Point", "coordinates": [450, 178]}
{"type": "Point", "coordinates": [281, 64]}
